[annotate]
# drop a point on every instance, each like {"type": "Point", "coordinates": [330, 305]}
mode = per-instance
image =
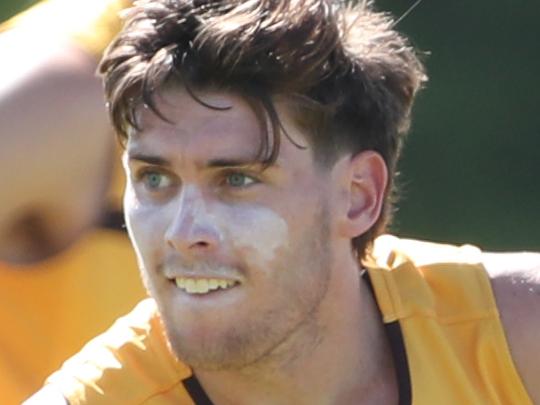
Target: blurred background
{"type": "Point", "coordinates": [470, 170]}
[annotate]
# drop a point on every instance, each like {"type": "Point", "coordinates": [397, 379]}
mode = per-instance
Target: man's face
{"type": "Point", "coordinates": [237, 258]}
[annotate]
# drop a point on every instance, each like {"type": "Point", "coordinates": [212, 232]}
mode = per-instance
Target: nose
{"type": "Point", "coordinates": [193, 229]}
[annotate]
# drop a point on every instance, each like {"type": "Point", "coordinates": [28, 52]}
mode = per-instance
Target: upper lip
{"type": "Point", "coordinates": [203, 277]}
{"type": "Point", "coordinates": [229, 273]}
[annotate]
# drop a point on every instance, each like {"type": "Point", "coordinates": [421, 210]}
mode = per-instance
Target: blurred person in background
{"type": "Point", "coordinates": [66, 267]}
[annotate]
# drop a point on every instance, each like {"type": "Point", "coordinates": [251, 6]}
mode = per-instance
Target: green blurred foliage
{"type": "Point", "coordinates": [471, 165]}
{"type": "Point", "coordinates": [11, 7]}
{"type": "Point", "coordinates": [470, 168]}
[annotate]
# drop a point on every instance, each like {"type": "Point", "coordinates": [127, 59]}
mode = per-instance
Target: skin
{"type": "Point", "coordinates": [296, 314]}
{"type": "Point", "coordinates": [56, 146]}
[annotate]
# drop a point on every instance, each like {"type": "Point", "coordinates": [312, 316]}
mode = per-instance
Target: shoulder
{"type": "Point", "coordinates": [128, 363]}
{"type": "Point", "coordinates": [515, 278]}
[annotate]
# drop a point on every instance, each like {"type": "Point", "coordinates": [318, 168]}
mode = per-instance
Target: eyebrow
{"type": "Point", "coordinates": [217, 163]}
{"type": "Point", "coordinates": [153, 160]}
{"type": "Point", "coordinates": [212, 163]}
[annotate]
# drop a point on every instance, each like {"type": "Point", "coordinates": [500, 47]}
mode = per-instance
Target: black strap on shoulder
{"type": "Point", "coordinates": [399, 354]}
{"type": "Point", "coordinates": [393, 331]}
{"type": "Point", "coordinates": [395, 338]}
{"type": "Point", "coordinates": [196, 391]}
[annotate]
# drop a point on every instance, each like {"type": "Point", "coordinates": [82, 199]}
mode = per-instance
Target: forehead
{"type": "Point", "coordinates": [217, 124]}
{"type": "Point", "coordinates": [226, 122]}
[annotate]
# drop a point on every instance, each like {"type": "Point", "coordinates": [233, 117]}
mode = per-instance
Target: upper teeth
{"type": "Point", "coordinates": [202, 285]}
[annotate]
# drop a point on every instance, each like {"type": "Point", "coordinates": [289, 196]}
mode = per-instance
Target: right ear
{"type": "Point", "coordinates": [363, 178]}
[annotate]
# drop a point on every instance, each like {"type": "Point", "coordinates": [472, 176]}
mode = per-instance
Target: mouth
{"type": "Point", "coordinates": [199, 286]}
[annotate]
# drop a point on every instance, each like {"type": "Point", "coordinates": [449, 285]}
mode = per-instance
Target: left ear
{"type": "Point", "coordinates": [365, 177]}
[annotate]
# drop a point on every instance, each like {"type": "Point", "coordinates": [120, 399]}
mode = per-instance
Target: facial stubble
{"type": "Point", "coordinates": [284, 327]}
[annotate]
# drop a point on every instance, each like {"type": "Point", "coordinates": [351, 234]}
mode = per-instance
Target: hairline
{"type": "Point", "coordinates": [282, 103]}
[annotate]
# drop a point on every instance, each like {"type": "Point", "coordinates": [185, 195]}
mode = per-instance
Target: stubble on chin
{"type": "Point", "coordinates": [276, 336]}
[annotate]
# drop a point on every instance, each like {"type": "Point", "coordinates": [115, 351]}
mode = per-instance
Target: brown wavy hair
{"type": "Point", "coordinates": [350, 77]}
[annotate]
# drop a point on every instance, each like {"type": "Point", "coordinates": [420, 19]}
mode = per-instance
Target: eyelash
{"type": "Point", "coordinates": [141, 174]}
{"type": "Point", "coordinates": [228, 173]}
{"type": "Point", "coordinates": [224, 176]}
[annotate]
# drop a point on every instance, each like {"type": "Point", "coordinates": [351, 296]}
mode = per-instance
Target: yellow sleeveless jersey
{"type": "Point", "coordinates": [435, 300]}
{"type": "Point", "coordinates": [442, 320]}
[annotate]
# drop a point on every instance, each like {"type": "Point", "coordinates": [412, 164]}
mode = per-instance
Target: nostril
{"type": "Point", "coordinates": [185, 234]}
{"type": "Point", "coordinates": [200, 244]}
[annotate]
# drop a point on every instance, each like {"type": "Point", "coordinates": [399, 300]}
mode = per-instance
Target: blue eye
{"type": "Point", "coordinates": [238, 180]}
{"type": "Point", "coordinates": [154, 180]}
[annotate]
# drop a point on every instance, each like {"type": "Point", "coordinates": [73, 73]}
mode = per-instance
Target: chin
{"type": "Point", "coordinates": [210, 356]}
{"type": "Point", "coordinates": [217, 350]}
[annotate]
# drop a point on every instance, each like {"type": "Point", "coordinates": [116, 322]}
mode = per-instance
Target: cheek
{"type": "Point", "coordinates": [257, 230]}
{"type": "Point", "coordinates": [146, 225]}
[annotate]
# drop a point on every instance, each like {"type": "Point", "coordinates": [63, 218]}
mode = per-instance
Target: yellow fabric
{"type": "Point", "coordinates": [440, 294]}
{"type": "Point", "coordinates": [456, 347]}
{"type": "Point", "coordinates": [48, 311]}
{"type": "Point", "coordinates": [130, 364]}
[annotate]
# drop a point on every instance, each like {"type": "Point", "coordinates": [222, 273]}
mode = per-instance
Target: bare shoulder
{"type": "Point", "coordinates": [515, 278]}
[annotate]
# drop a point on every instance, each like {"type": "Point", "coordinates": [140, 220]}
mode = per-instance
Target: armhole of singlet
{"type": "Point", "coordinates": [399, 354]}
{"type": "Point", "coordinates": [196, 391]}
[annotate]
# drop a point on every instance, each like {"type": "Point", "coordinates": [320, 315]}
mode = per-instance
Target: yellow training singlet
{"type": "Point", "coordinates": [435, 300]}
{"type": "Point", "coordinates": [442, 321]}
{"type": "Point", "coordinates": [129, 364]}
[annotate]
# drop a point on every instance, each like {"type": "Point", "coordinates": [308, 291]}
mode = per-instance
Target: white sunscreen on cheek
{"type": "Point", "coordinates": [256, 228]}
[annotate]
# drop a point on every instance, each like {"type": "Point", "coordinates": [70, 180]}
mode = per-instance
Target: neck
{"type": "Point", "coordinates": [341, 358]}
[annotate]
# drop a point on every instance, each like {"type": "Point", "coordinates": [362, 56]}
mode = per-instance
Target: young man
{"type": "Point", "coordinates": [261, 141]}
